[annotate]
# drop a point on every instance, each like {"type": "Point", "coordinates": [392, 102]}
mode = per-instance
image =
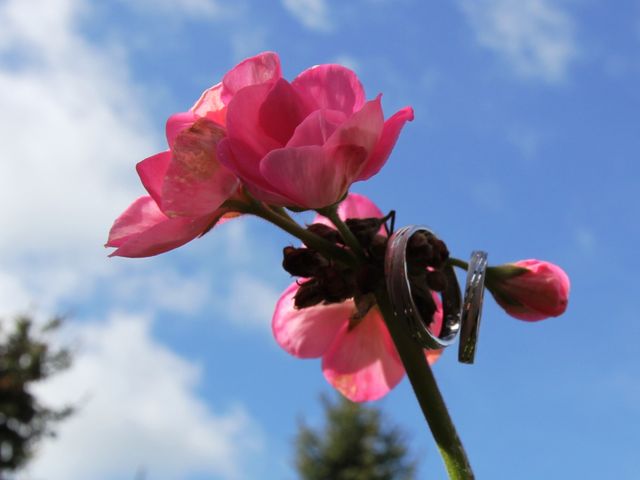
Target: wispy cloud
{"type": "Point", "coordinates": [71, 135]}
{"type": "Point", "coordinates": [313, 14]}
{"type": "Point", "coordinates": [586, 240]}
{"type": "Point", "coordinates": [526, 140]}
{"type": "Point", "coordinates": [186, 8]}
{"type": "Point", "coordinates": [73, 128]}
{"type": "Point", "coordinates": [250, 301]}
{"type": "Point", "coordinates": [535, 37]}
{"type": "Point", "coordinates": [138, 410]}
{"type": "Point", "coordinates": [349, 61]}
{"type": "Point", "coordinates": [161, 288]}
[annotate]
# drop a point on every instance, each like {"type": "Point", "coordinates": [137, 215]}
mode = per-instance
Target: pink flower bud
{"type": "Point", "coordinates": [530, 289]}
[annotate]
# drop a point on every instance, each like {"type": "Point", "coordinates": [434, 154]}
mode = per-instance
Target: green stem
{"type": "Point", "coordinates": [347, 235]}
{"type": "Point", "coordinates": [282, 212]}
{"type": "Point", "coordinates": [458, 263]}
{"type": "Point", "coordinates": [426, 390]}
{"type": "Point", "coordinates": [412, 355]}
{"type": "Point", "coordinates": [285, 222]}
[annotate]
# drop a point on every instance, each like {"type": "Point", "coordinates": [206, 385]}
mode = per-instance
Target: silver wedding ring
{"type": "Point", "coordinates": [472, 306]}
{"type": "Point", "coordinates": [404, 307]}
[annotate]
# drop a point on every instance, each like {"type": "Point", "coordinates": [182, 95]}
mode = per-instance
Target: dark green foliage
{"type": "Point", "coordinates": [355, 444]}
{"type": "Point", "coordinates": [25, 358]}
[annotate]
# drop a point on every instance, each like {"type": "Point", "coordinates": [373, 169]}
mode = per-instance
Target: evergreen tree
{"type": "Point", "coordinates": [25, 358]}
{"type": "Point", "coordinates": [355, 444]}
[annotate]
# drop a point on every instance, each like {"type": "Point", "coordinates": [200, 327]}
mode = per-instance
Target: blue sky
{"type": "Point", "coordinates": [525, 144]}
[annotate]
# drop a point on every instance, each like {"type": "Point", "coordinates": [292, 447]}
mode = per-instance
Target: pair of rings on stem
{"type": "Point", "coordinates": [459, 314]}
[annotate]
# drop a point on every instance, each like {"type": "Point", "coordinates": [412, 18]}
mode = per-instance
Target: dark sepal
{"type": "Point", "coordinates": [303, 262]}
{"type": "Point", "coordinates": [364, 303]}
{"type": "Point", "coordinates": [309, 294]}
{"type": "Point", "coordinates": [364, 229]}
{"type": "Point", "coordinates": [326, 232]}
{"type": "Point", "coordinates": [337, 284]}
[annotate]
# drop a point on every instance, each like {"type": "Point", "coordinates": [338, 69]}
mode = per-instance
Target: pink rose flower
{"type": "Point", "coordinates": [538, 292]}
{"type": "Point", "coordinates": [187, 184]}
{"type": "Point", "coordinates": [358, 356]}
{"type": "Point", "coordinates": [300, 144]}
{"type": "Point", "coordinates": [303, 143]}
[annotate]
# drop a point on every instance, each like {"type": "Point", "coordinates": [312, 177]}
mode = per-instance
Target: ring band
{"type": "Point", "coordinates": [404, 307]}
{"type": "Point", "coordinates": [472, 306]}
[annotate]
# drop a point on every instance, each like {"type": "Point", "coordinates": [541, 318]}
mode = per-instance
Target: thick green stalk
{"type": "Point", "coordinates": [285, 222]}
{"type": "Point", "coordinates": [418, 370]}
{"type": "Point", "coordinates": [347, 235]}
{"type": "Point", "coordinates": [458, 263]}
{"type": "Point", "coordinates": [426, 390]}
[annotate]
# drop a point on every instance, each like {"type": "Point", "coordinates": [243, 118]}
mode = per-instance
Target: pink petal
{"type": "Point", "coordinates": [211, 106]}
{"type": "Point", "coordinates": [363, 363]}
{"type": "Point", "coordinates": [435, 327]}
{"type": "Point", "coordinates": [281, 112]}
{"type": "Point", "coordinates": [432, 356]}
{"type": "Point", "coordinates": [244, 125]}
{"type": "Point", "coordinates": [264, 68]}
{"type": "Point", "coordinates": [308, 332]}
{"type": "Point", "coordinates": [316, 128]}
{"type": "Point", "coordinates": [358, 206]}
{"type": "Point", "coordinates": [311, 177]}
{"type": "Point", "coordinates": [245, 164]}
{"type": "Point", "coordinates": [332, 87]}
{"type": "Point", "coordinates": [196, 184]}
{"type": "Point", "coordinates": [143, 230]}
{"type": "Point", "coordinates": [387, 141]}
{"type": "Point", "coordinates": [176, 123]}
{"type": "Point", "coordinates": [141, 215]}
{"type": "Point", "coordinates": [362, 129]}
{"type": "Point", "coordinates": [152, 171]}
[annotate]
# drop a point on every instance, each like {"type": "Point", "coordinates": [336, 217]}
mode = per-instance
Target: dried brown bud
{"type": "Point", "coordinates": [303, 262]}
{"type": "Point", "coordinates": [326, 232]}
{"type": "Point", "coordinates": [436, 280]}
{"type": "Point", "coordinates": [378, 248]}
{"type": "Point", "coordinates": [309, 294]}
{"type": "Point", "coordinates": [337, 285]}
{"type": "Point", "coordinates": [364, 229]}
{"type": "Point", "coordinates": [441, 252]}
{"type": "Point", "coordinates": [426, 250]}
{"type": "Point", "coordinates": [369, 278]}
{"type": "Point", "coordinates": [364, 303]}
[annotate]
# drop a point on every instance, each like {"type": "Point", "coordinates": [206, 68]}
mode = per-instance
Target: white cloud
{"type": "Point", "coordinates": [247, 41]}
{"type": "Point", "coordinates": [14, 296]}
{"type": "Point", "coordinates": [72, 130]}
{"type": "Point", "coordinates": [250, 301]}
{"type": "Point", "coordinates": [526, 140]}
{"type": "Point", "coordinates": [313, 14]}
{"type": "Point", "coordinates": [489, 194]}
{"type": "Point", "coordinates": [535, 37]}
{"type": "Point", "coordinates": [349, 62]}
{"type": "Point", "coordinates": [185, 8]}
{"type": "Point", "coordinates": [73, 126]}
{"type": "Point", "coordinates": [158, 288]}
{"type": "Point", "coordinates": [586, 240]}
{"type": "Point", "coordinates": [138, 410]}
{"type": "Point", "coordinates": [236, 241]}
